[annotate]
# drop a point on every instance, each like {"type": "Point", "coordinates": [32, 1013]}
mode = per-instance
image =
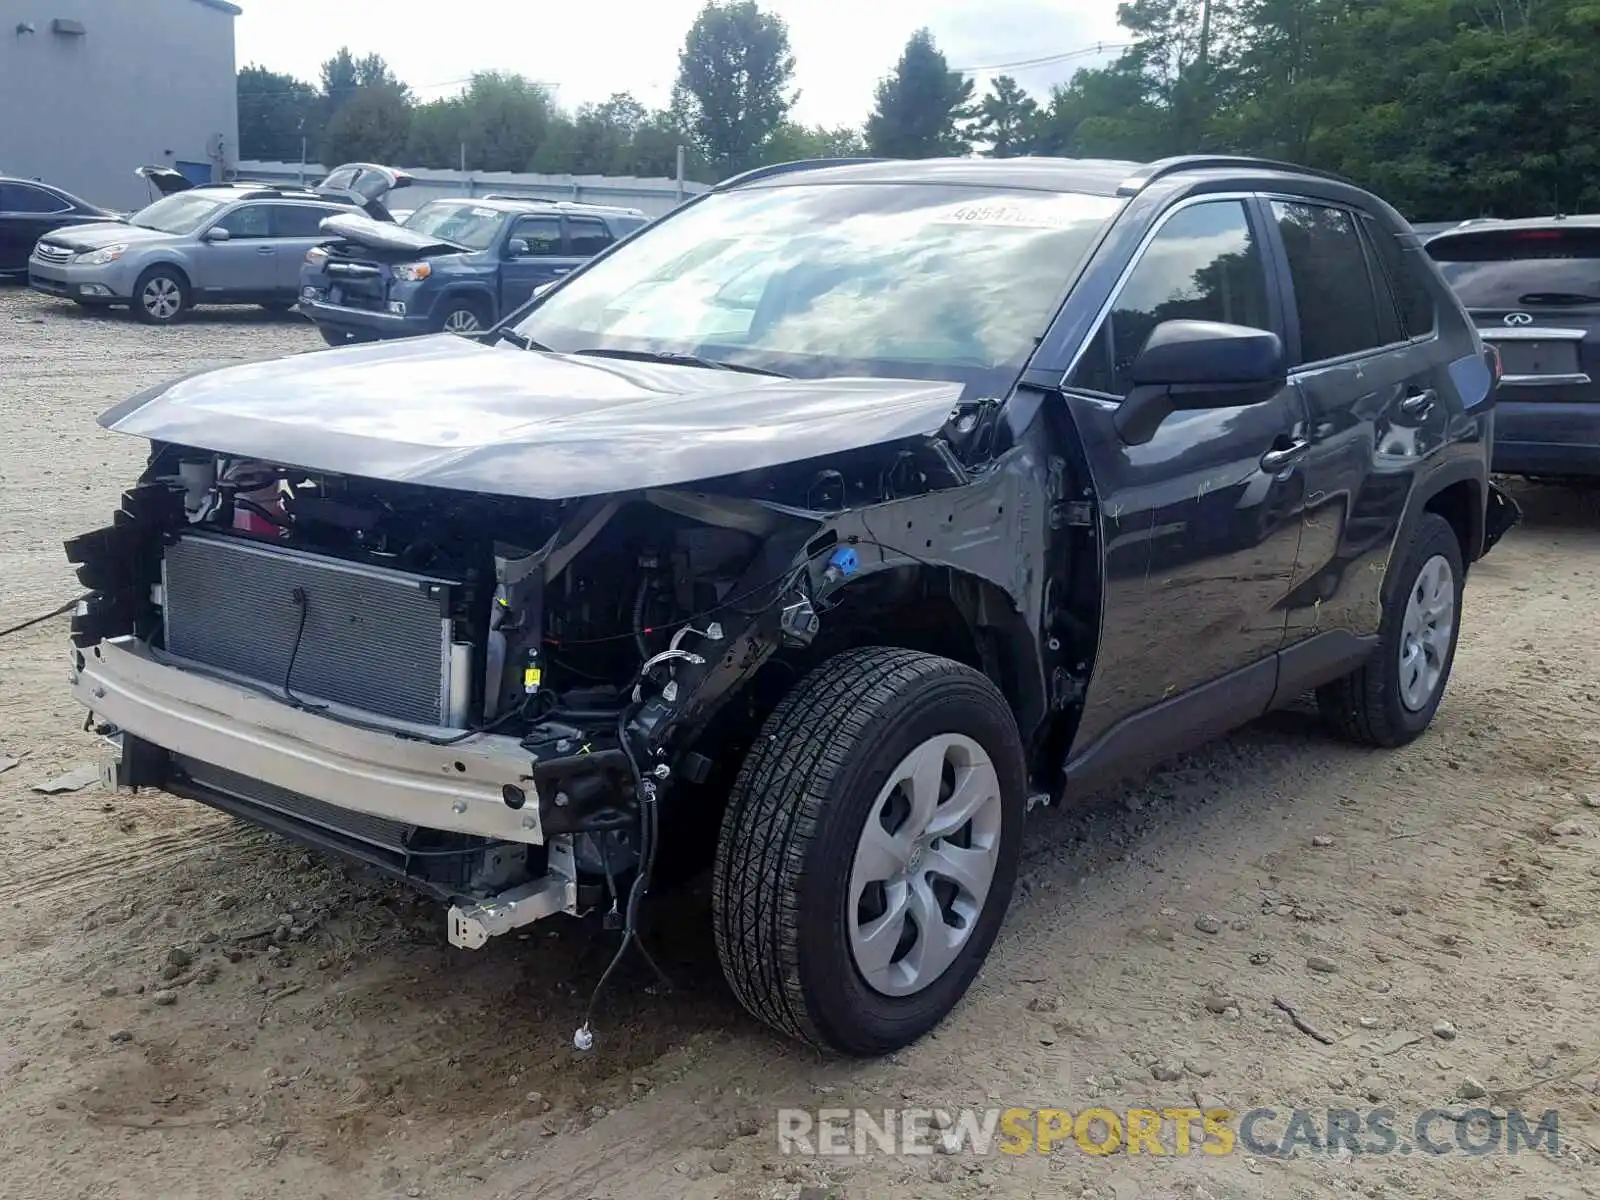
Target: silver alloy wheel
{"type": "Point", "coordinates": [461, 320]}
{"type": "Point", "coordinates": [1426, 631]}
{"type": "Point", "coordinates": [162, 298]}
{"type": "Point", "coordinates": [923, 864]}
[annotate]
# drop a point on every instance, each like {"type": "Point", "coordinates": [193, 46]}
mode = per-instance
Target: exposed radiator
{"type": "Point", "coordinates": [377, 831]}
{"type": "Point", "coordinates": [375, 639]}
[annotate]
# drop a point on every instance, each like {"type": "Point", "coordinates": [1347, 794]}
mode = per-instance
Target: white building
{"type": "Point", "coordinates": [92, 89]}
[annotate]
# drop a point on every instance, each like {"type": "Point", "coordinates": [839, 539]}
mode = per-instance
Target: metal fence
{"type": "Point", "coordinates": [654, 197]}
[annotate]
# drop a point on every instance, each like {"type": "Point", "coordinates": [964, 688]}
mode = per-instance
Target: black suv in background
{"type": "Point", "coordinates": [815, 533]}
{"type": "Point", "coordinates": [452, 266]}
{"type": "Point", "coordinates": [1533, 287]}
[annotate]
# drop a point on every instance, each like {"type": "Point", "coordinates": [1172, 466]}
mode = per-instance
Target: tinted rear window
{"type": "Point", "coordinates": [1501, 269]}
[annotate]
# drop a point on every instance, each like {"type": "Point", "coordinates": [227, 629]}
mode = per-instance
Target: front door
{"type": "Point", "coordinates": [1201, 523]}
{"type": "Point", "coordinates": [533, 254]}
{"type": "Point", "coordinates": [245, 266]}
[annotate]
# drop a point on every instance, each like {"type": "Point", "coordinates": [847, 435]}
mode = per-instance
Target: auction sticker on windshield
{"type": "Point", "coordinates": [1045, 212]}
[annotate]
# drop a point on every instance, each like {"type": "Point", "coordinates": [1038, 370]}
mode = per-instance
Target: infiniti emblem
{"type": "Point", "coordinates": [1519, 318]}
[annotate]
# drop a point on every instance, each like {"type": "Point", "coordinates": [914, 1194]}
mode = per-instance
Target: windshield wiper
{"type": "Point", "coordinates": [522, 341]}
{"type": "Point", "coordinates": [1558, 298]}
{"type": "Point", "coordinates": [679, 360]}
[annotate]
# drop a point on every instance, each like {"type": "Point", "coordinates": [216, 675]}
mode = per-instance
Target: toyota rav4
{"type": "Point", "coordinates": [813, 535]}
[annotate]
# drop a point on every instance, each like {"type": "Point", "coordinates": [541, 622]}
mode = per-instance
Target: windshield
{"type": "Point", "coordinates": [1520, 268]}
{"type": "Point", "coordinates": [896, 280]}
{"type": "Point", "coordinates": [458, 221]}
{"type": "Point", "coordinates": [183, 213]}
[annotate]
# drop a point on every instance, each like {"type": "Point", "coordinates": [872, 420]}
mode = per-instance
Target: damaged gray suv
{"type": "Point", "coordinates": [813, 535]}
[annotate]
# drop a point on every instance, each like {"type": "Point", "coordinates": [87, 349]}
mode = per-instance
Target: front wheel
{"type": "Point", "coordinates": [160, 297]}
{"type": "Point", "coordinates": [1391, 699]}
{"type": "Point", "coordinates": [462, 316]}
{"type": "Point", "coordinates": [869, 850]}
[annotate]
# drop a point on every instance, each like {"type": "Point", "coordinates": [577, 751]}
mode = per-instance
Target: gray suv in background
{"type": "Point", "coordinates": [238, 243]}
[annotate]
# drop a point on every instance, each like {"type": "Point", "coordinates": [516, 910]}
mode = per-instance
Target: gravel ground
{"type": "Point", "coordinates": [189, 1008]}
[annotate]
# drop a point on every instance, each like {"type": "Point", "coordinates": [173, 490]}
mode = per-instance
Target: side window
{"type": "Point", "coordinates": [20, 198]}
{"type": "Point", "coordinates": [248, 221]}
{"type": "Point", "coordinates": [1333, 289]}
{"type": "Point", "coordinates": [587, 236]}
{"type": "Point", "coordinates": [1407, 279]}
{"type": "Point", "coordinates": [1204, 264]}
{"type": "Point", "coordinates": [300, 220]}
{"type": "Point", "coordinates": [543, 235]}
{"type": "Point", "coordinates": [1389, 332]}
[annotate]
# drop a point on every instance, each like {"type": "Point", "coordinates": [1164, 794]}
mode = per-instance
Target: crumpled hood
{"type": "Point", "coordinates": [383, 235]}
{"type": "Point", "coordinates": [449, 412]}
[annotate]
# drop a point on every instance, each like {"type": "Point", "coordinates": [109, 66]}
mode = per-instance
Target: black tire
{"type": "Point", "coordinates": [793, 820]}
{"type": "Point", "coordinates": [1366, 706]}
{"type": "Point", "coordinates": [464, 307]}
{"type": "Point", "coordinates": [141, 305]}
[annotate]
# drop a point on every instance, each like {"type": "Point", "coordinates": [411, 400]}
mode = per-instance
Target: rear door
{"type": "Point", "coordinates": [533, 253]}
{"type": "Point", "coordinates": [1376, 393]}
{"type": "Point", "coordinates": [295, 229]}
{"type": "Point", "coordinates": [245, 267]}
{"type": "Point", "coordinates": [27, 213]}
{"type": "Point", "coordinates": [1534, 294]}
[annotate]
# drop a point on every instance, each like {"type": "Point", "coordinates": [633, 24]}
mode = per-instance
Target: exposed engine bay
{"type": "Point", "coordinates": [341, 590]}
{"type": "Point", "coordinates": [550, 678]}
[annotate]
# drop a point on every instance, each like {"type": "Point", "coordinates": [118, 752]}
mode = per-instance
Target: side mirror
{"type": "Point", "coordinates": [217, 234]}
{"type": "Point", "coordinates": [517, 248]}
{"type": "Point", "coordinates": [1189, 365]}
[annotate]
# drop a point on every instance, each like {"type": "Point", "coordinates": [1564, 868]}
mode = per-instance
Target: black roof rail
{"type": "Point", "coordinates": [1163, 167]}
{"type": "Point", "coordinates": [788, 168]}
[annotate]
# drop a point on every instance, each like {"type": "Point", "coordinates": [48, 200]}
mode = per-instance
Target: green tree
{"type": "Point", "coordinates": [793, 143]}
{"type": "Point", "coordinates": [733, 89]}
{"type": "Point", "coordinates": [275, 112]}
{"type": "Point", "coordinates": [1008, 119]}
{"type": "Point", "coordinates": [923, 108]}
{"type": "Point", "coordinates": [505, 119]}
{"type": "Point", "coordinates": [373, 125]}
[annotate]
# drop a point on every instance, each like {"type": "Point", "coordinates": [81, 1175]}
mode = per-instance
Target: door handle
{"type": "Point", "coordinates": [265, 250]}
{"type": "Point", "coordinates": [559, 270]}
{"type": "Point", "coordinates": [1284, 457]}
{"type": "Point", "coordinates": [1419, 403]}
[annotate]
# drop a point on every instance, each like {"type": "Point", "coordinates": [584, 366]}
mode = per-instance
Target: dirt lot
{"type": "Point", "coordinates": [157, 1041]}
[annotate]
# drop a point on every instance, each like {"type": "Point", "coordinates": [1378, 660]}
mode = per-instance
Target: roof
{"type": "Point", "coordinates": [1096, 176]}
{"type": "Point", "coordinates": [233, 10]}
{"type": "Point", "coordinates": [1102, 177]}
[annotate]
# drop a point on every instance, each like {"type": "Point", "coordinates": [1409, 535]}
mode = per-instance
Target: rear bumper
{"type": "Point", "coordinates": [1534, 437]}
{"type": "Point", "coordinates": [458, 788]}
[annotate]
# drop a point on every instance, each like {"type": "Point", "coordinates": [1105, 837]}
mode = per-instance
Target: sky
{"type": "Point", "coordinates": [588, 51]}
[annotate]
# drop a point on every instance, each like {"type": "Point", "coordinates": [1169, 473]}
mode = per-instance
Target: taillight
{"type": "Point", "coordinates": [1491, 355]}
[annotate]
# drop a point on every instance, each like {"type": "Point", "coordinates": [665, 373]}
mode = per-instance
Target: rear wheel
{"type": "Point", "coordinates": [1392, 698]}
{"type": "Point", "coordinates": [161, 296]}
{"type": "Point", "coordinates": [461, 315]}
{"type": "Point", "coordinates": [869, 850]}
